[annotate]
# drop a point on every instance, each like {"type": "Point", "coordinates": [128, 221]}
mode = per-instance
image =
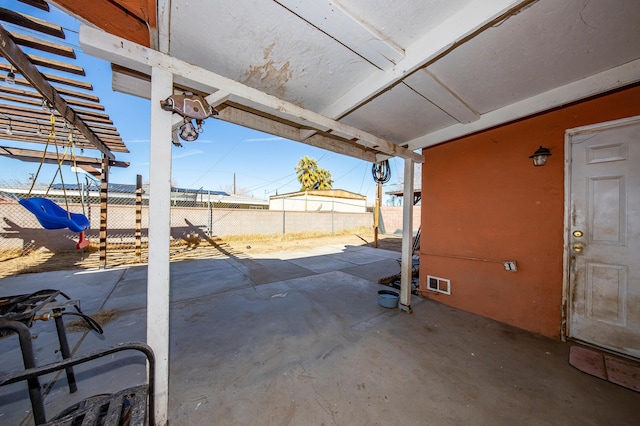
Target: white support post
{"type": "Point", "coordinates": [407, 238]}
{"type": "Point", "coordinates": [158, 271]}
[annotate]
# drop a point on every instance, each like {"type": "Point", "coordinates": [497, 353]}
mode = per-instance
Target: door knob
{"type": "Point", "coordinates": [577, 247]}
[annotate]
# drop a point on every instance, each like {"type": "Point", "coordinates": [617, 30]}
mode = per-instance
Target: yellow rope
{"type": "Point", "coordinates": [75, 169]}
{"type": "Point", "coordinates": [52, 134]}
{"type": "Point", "coordinates": [60, 161]}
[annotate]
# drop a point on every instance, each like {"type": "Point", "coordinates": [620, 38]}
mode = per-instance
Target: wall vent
{"type": "Point", "coordinates": [440, 285]}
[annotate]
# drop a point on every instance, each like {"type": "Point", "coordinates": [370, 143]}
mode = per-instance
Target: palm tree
{"type": "Point", "coordinates": [311, 176]}
{"type": "Point", "coordinates": [324, 180]}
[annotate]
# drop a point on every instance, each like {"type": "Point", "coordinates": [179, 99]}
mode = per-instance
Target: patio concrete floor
{"type": "Point", "coordinates": [297, 338]}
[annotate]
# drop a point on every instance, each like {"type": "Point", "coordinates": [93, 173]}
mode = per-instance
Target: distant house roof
{"type": "Point", "coordinates": [332, 193]}
{"type": "Point", "coordinates": [197, 191]}
{"type": "Point", "coordinates": [112, 187]}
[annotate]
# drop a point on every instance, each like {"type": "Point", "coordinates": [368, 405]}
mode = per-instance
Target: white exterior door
{"type": "Point", "coordinates": [604, 235]}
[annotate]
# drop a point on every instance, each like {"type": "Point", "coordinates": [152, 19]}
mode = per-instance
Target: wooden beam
{"type": "Point", "coordinates": [130, 82]}
{"type": "Point", "coordinates": [30, 134]}
{"type": "Point", "coordinates": [31, 156]}
{"type": "Point", "coordinates": [30, 22]}
{"type": "Point", "coordinates": [56, 65]}
{"type": "Point", "coordinates": [158, 269]}
{"type": "Point", "coordinates": [86, 96]}
{"type": "Point", "coordinates": [37, 103]}
{"type": "Point", "coordinates": [33, 122]}
{"type": "Point", "coordinates": [407, 238]}
{"type": "Point", "coordinates": [104, 209]}
{"type": "Point", "coordinates": [153, 15]}
{"type": "Point", "coordinates": [40, 4]}
{"type": "Point", "coordinates": [140, 58]}
{"type": "Point", "coordinates": [111, 17]}
{"type": "Point", "coordinates": [257, 122]}
{"type": "Point", "coordinates": [138, 8]}
{"type": "Point", "coordinates": [596, 84]}
{"type": "Point", "coordinates": [352, 149]}
{"type": "Point", "coordinates": [44, 115]}
{"type": "Point", "coordinates": [80, 143]}
{"type": "Point", "coordinates": [21, 62]}
{"type": "Point", "coordinates": [23, 95]}
{"type": "Point", "coordinates": [429, 87]}
{"type": "Point", "coordinates": [102, 117]}
{"type": "Point", "coordinates": [68, 81]}
{"type": "Point", "coordinates": [91, 170]}
{"type": "Point", "coordinates": [58, 79]}
{"type": "Point", "coordinates": [45, 46]}
{"type": "Point", "coordinates": [467, 23]}
{"type": "Point", "coordinates": [26, 101]}
{"type": "Point", "coordinates": [350, 31]}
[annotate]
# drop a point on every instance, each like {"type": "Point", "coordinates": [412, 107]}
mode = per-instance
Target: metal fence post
{"type": "Point", "coordinates": [210, 210]}
{"type": "Point", "coordinates": [139, 216]}
{"type": "Point", "coordinates": [104, 200]}
{"type": "Point", "coordinates": [332, 216]}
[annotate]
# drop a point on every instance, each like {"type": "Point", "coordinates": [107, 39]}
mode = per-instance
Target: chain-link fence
{"type": "Point", "coordinates": [195, 216]}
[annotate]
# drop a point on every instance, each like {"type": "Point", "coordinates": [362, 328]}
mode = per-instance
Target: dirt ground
{"type": "Point", "coordinates": [44, 261]}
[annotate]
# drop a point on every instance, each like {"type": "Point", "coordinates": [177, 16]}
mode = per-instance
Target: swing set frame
{"type": "Point", "coordinates": [49, 214]}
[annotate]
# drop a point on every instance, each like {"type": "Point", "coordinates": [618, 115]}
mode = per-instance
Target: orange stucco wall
{"type": "Point", "coordinates": [484, 202]}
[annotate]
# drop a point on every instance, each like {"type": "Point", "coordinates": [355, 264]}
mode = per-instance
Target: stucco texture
{"type": "Point", "coordinates": [484, 203]}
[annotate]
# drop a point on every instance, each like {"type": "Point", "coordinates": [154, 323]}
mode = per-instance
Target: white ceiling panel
{"type": "Point", "coordinates": [266, 47]}
{"type": "Point", "coordinates": [403, 21]}
{"type": "Point", "coordinates": [394, 114]}
{"type": "Point", "coordinates": [405, 72]}
{"type": "Point", "coordinates": [548, 45]}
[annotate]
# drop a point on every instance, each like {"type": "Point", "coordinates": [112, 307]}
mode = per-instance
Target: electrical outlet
{"type": "Point", "coordinates": [510, 265]}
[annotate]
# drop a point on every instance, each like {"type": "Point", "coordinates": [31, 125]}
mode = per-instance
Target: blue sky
{"type": "Point", "coordinates": [262, 163]}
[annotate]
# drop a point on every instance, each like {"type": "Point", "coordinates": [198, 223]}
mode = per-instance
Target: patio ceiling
{"type": "Point", "coordinates": [44, 85]}
{"type": "Point", "coordinates": [390, 77]}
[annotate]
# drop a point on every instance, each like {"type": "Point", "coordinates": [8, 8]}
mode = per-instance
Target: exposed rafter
{"type": "Point", "coordinates": [608, 80]}
{"type": "Point", "coordinates": [140, 58]}
{"type": "Point", "coordinates": [428, 86]}
{"type": "Point", "coordinates": [119, 17]}
{"type": "Point", "coordinates": [40, 4]}
{"type": "Point", "coordinates": [61, 90]}
{"type": "Point", "coordinates": [36, 95]}
{"type": "Point", "coordinates": [464, 25]}
{"type": "Point", "coordinates": [468, 22]}
{"type": "Point", "coordinates": [56, 65]}
{"type": "Point", "coordinates": [45, 46]}
{"type": "Point", "coordinates": [34, 156]}
{"type": "Point", "coordinates": [330, 18]}
{"type": "Point", "coordinates": [58, 79]}
{"type": "Point", "coordinates": [263, 124]}
{"type": "Point", "coordinates": [31, 23]}
{"type": "Point", "coordinates": [21, 62]}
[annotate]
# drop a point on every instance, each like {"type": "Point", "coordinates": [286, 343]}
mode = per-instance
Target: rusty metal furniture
{"type": "Point", "coordinates": [45, 305]}
{"type": "Point", "coordinates": [17, 315]}
{"type": "Point", "coordinates": [127, 407]}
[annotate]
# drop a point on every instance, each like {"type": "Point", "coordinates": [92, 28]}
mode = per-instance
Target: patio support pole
{"type": "Point", "coordinates": [158, 278]}
{"type": "Point", "coordinates": [407, 237]}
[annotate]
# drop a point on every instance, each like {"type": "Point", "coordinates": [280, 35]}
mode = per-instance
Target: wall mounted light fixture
{"type": "Point", "coordinates": [540, 156]}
